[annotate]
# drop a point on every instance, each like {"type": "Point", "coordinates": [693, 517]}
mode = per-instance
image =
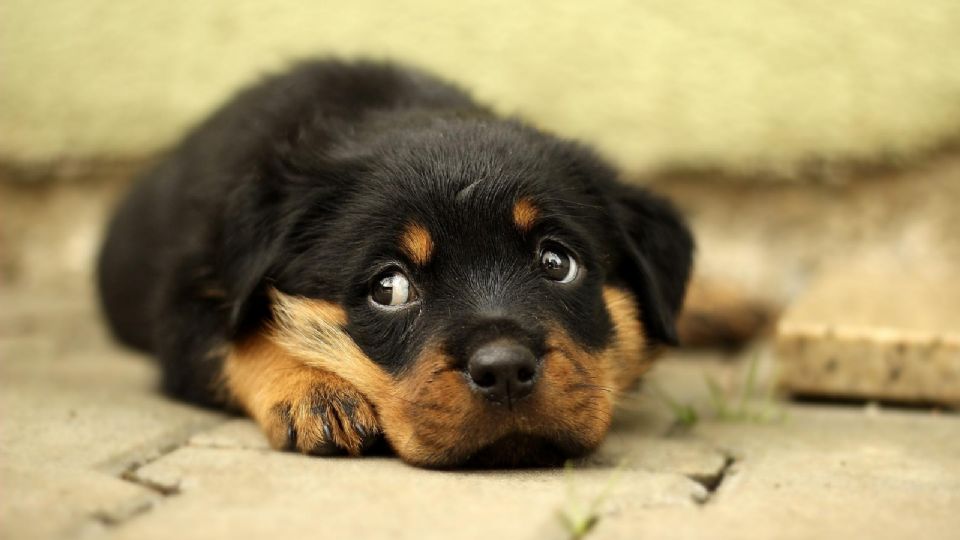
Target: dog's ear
{"type": "Point", "coordinates": [252, 240]}
{"type": "Point", "coordinates": [261, 218]}
{"type": "Point", "coordinates": [656, 255]}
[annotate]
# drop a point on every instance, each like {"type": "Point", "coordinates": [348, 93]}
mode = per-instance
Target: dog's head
{"type": "Point", "coordinates": [488, 287]}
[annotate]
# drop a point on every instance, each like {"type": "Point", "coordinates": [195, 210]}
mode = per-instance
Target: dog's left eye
{"type": "Point", "coordinates": [392, 288]}
{"type": "Point", "coordinates": [558, 265]}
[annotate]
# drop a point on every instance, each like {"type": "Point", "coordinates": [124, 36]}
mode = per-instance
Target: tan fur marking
{"type": "Point", "coordinates": [430, 415]}
{"type": "Point", "coordinates": [312, 330]}
{"type": "Point", "coordinates": [432, 411]}
{"type": "Point", "coordinates": [581, 389]}
{"type": "Point", "coordinates": [287, 397]}
{"type": "Point", "coordinates": [434, 419]}
{"type": "Point", "coordinates": [525, 214]}
{"type": "Point", "coordinates": [632, 358]}
{"type": "Point", "coordinates": [417, 243]}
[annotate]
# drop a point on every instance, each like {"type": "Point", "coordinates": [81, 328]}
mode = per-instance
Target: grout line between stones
{"type": "Point", "coordinates": [712, 482]}
{"type": "Point", "coordinates": [128, 473]}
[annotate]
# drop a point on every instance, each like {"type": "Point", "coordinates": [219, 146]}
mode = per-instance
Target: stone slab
{"type": "Point", "coordinates": [237, 434]}
{"type": "Point", "coordinates": [88, 449]}
{"type": "Point", "coordinates": [823, 472]}
{"type": "Point", "coordinates": [77, 412]}
{"type": "Point", "coordinates": [272, 494]}
{"type": "Point", "coordinates": [883, 333]}
{"type": "Point", "coordinates": [49, 501]}
{"type": "Point", "coordinates": [818, 472]}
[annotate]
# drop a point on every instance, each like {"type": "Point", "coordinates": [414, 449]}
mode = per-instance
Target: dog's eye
{"type": "Point", "coordinates": [392, 288]}
{"type": "Point", "coordinates": [557, 264]}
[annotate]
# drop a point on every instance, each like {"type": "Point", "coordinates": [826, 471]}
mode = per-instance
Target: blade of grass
{"type": "Point", "coordinates": [578, 519]}
{"type": "Point", "coordinates": [684, 414]}
{"type": "Point", "coordinates": [717, 397]}
{"type": "Point", "coordinates": [749, 388]}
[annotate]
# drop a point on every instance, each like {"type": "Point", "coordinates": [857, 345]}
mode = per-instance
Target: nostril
{"type": "Point", "coordinates": [525, 374]}
{"type": "Point", "coordinates": [484, 379]}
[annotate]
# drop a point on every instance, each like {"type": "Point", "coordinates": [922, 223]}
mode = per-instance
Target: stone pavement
{"type": "Point", "coordinates": [848, 336]}
{"type": "Point", "coordinates": [88, 449]}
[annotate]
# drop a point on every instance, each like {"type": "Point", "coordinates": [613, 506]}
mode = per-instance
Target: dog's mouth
{"type": "Point", "coordinates": [505, 439]}
{"type": "Point", "coordinates": [441, 417]}
{"type": "Point", "coordinates": [523, 450]}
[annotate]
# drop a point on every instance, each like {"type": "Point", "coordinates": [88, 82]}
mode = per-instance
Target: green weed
{"type": "Point", "coordinates": [579, 517]}
{"type": "Point", "coordinates": [748, 404]}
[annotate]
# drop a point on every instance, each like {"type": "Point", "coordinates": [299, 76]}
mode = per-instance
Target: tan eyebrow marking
{"type": "Point", "coordinates": [525, 214]}
{"type": "Point", "coordinates": [417, 243]}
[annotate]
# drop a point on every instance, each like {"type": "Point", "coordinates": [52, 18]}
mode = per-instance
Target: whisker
{"type": "Point", "coordinates": [589, 386]}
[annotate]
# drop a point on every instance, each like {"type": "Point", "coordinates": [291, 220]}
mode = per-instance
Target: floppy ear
{"type": "Point", "coordinates": [251, 241]}
{"type": "Point", "coordinates": [656, 255]}
{"type": "Point", "coordinates": [263, 221]}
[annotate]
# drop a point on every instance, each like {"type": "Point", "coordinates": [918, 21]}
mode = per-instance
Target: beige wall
{"type": "Point", "coordinates": [739, 83]}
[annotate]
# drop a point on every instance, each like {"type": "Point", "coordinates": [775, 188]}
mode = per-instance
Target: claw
{"type": "Point", "coordinates": [291, 437]}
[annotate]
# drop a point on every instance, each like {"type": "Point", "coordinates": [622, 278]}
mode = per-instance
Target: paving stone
{"type": "Point", "coordinates": [87, 404]}
{"type": "Point", "coordinates": [822, 473]}
{"type": "Point", "coordinates": [89, 449]}
{"type": "Point", "coordinates": [48, 501]}
{"type": "Point", "coordinates": [281, 495]}
{"type": "Point", "coordinates": [688, 457]}
{"type": "Point", "coordinates": [875, 332]}
{"type": "Point", "coordinates": [77, 412]}
{"type": "Point", "coordinates": [237, 433]}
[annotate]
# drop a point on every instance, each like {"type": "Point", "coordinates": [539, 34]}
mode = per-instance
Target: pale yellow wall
{"type": "Point", "coordinates": [741, 83]}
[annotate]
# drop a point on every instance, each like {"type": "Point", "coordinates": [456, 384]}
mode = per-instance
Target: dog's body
{"type": "Point", "coordinates": [356, 249]}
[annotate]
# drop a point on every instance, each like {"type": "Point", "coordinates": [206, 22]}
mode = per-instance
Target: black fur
{"type": "Point", "coordinates": [304, 183]}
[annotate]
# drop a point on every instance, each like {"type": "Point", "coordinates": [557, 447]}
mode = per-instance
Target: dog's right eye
{"type": "Point", "coordinates": [557, 264]}
{"type": "Point", "coordinates": [392, 288]}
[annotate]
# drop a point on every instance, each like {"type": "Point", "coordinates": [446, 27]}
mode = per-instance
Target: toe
{"type": "Point", "coordinates": [329, 420]}
{"type": "Point", "coordinates": [354, 424]}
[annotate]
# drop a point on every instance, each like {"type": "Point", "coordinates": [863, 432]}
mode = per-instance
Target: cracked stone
{"type": "Point", "coordinates": [711, 482]}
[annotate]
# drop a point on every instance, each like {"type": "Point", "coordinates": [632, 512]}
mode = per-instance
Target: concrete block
{"type": "Point", "coordinates": [824, 472]}
{"type": "Point", "coordinates": [276, 495]}
{"type": "Point", "coordinates": [880, 333]}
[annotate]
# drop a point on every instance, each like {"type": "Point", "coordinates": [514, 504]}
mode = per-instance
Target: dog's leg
{"type": "Point", "coordinates": [298, 407]}
{"type": "Point", "coordinates": [188, 337]}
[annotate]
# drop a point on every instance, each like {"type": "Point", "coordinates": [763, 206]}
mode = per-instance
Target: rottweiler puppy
{"type": "Point", "coordinates": [354, 251]}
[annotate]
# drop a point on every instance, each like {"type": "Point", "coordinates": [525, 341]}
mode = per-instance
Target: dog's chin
{"type": "Point", "coordinates": [518, 450]}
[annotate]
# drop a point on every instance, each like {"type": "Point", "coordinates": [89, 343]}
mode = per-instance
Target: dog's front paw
{"type": "Point", "coordinates": [299, 407]}
{"type": "Point", "coordinates": [329, 418]}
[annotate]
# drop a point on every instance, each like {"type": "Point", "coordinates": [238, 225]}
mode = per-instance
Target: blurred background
{"type": "Point", "coordinates": [797, 124]}
{"type": "Point", "coordinates": [815, 146]}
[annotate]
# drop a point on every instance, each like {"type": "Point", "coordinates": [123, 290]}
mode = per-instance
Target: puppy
{"type": "Point", "coordinates": [353, 251]}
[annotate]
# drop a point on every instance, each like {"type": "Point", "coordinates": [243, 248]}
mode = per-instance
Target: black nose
{"type": "Point", "coordinates": [503, 371]}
